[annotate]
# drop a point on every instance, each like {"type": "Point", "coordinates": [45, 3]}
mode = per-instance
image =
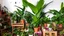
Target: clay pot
{"type": "Point", "coordinates": [35, 29]}
{"type": "Point", "coordinates": [60, 25]}
{"type": "Point", "coordinates": [22, 21]}
{"type": "Point", "coordinates": [45, 25]}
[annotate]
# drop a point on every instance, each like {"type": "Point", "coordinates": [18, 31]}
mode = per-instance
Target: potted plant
{"type": "Point", "coordinates": [37, 10]}
{"type": "Point", "coordinates": [58, 16]}
{"type": "Point", "coordinates": [19, 15]}
{"type": "Point", "coordinates": [30, 32]}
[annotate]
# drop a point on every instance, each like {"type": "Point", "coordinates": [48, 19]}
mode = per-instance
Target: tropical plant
{"type": "Point", "coordinates": [18, 14]}
{"type": "Point", "coordinates": [37, 11]}
{"type": "Point", "coordinates": [58, 15]}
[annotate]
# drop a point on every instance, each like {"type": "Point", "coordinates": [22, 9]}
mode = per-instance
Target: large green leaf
{"type": "Point", "coordinates": [62, 5]}
{"type": "Point", "coordinates": [24, 4]}
{"type": "Point", "coordinates": [33, 8]}
{"type": "Point", "coordinates": [40, 4]}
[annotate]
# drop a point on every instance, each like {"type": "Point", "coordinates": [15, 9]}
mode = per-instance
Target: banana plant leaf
{"type": "Point", "coordinates": [62, 5]}
{"type": "Point", "coordinates": [37, 7]}
{"type": "Point", "coordinates": [37, 10]}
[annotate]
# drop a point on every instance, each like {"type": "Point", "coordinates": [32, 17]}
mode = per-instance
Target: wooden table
{"type": "Point", "coordinates": [50, 33]}
{"type": "Point", "coordinates": [16, 25]}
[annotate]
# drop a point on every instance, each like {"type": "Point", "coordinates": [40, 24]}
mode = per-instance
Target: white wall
{"type": "Point", "coordinates": [10, 4]}
{"type": "Point", "coordinates": [1, 1]}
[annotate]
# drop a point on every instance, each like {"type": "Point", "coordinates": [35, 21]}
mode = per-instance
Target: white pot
{"type": "Point", "coordinates": [17, 35]}
{"type": "Point", "coordinates": [30, 35]}
{"type": "Point", "coordinates": [50, 29]}
{"type": "Point", "coordinates": [48, 25]}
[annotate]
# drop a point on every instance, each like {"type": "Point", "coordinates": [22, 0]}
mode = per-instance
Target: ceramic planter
{"type": "Point", "coordinates": [30, 35]}
{"type": "Point", "coordinates": [17, 35]}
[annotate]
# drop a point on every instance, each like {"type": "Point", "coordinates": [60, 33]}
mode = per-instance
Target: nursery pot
{"type": "Point", "coordinates": [36, 29]}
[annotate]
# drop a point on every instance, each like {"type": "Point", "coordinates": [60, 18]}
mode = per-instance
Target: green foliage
{"type": "Point", "coordinates": [31, 31]}
{"type": "Point", "coordinates": [7, 34]}
{"type": "Point", "coordinates": [18, 14]}
{"type": "Point", "coordinates": [58, 15]}
{"type": "Point", "coordinates": [37, 10]}
{"type": "Point", "coordinates": [62, 32]}
{"type": "Point", "coordinates": [62, 5]}
{"type": "Point", "coordinates": [28, 17]}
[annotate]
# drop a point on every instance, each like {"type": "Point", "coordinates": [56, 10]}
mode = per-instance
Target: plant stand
{"type": "Point", "coordinates": [17, 25]}
{"type": "Point", "coordinates": [50, 33]}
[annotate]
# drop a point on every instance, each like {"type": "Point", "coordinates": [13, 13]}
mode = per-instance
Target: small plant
{"type": "Point", "coordinates": [18, 14]}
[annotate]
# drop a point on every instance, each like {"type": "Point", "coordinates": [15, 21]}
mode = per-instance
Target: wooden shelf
{"type": "Point", "coordinates": [50, 33]}
{"type": "Point", "coordinates": [17, 25]}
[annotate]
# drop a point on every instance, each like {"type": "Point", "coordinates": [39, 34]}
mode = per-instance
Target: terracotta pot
{"type": "Point", "coordinates": [35, 29]}
{"type": "Point", "coordinates": [22, 21]}
{"type": "Point", "coordinates": [45, 25]}
{"type": "Point", "coordinates": [60, 25]}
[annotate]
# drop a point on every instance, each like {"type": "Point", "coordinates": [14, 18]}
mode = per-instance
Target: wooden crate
{"type": "Point", "coordinates": [17, 25]}
{"type": "Point", "coordinates": [49, 33]}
